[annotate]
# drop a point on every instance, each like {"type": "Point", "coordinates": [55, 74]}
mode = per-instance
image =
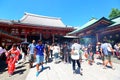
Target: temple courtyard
{"type": "Point", "coordinates": [62, 71]}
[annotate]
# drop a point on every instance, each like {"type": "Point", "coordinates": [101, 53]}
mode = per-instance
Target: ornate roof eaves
{"type": "Point", "coordinates": [41, 16]}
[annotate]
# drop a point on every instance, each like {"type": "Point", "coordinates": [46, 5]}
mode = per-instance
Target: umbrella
{"type": "Point", "coordinates": [25, 42]}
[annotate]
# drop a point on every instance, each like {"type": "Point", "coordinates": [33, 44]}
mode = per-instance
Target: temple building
{"type": "Point", "coordinates": [32, 26]}
{"type": "Point", "coordinates": [52, 29]}
{"type": "Point", "coordinates": [98, 30]}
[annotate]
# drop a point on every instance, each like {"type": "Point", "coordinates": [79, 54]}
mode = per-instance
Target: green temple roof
{"type": "Point", "coordinates": [116, 20]}
{"type": "Point", "coordinates": [92, 21]}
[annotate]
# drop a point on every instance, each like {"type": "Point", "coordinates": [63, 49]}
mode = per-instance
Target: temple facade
{"type": "Point", "coordinates": [52, 29]}
{"type": "Point", "coordinates": [32, 26]}
{"type": "Point", "coordinates": [98, 30]}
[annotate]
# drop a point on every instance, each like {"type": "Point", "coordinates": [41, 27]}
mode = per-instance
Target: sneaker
{"type": "Point", "coordinates": [81, 73]}
{"type": "Point", "coordinates": [42, 68]}
{"type": "Point", "coordinates": [37, 73]}
{"type": "Point", "coordinates": [10, 75]}
{"type": "Point", "coordinates": [104, 68]}
{"type": "Point", "coordinates": [73, 71]}
{"type": "Point", "coordinates": [81, 69]}
{"type": "Point", "coordinates": [56, 62]}
{"type": "Point", "coordinates": [113, 68]}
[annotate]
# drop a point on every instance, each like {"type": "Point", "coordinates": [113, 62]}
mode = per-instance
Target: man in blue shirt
{"type": "Point", "coordinates": [31, 48]}
{"type": "Point", "coordinates": [39, 52]}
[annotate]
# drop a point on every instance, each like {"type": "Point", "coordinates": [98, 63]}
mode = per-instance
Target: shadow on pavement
{"type": "Point", "coordinates": [20, 71]}
{"type": "Point", "coordinates": [99, 63]}
{"type": "Point", "coordinates": [3, 66]}
{"type": "Point", "coordinates": [19, 67]}
{"type": "Point", "coordinates": [45, 68]}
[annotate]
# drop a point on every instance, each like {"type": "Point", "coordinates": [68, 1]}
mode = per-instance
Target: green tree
{"type": "Point", "coordinates": [114, 13]}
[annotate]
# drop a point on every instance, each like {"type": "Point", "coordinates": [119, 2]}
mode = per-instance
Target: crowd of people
{"type": "Point", "coordinates": [66, 52]}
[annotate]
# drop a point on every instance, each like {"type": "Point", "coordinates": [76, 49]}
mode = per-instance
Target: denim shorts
{"type": "Point", "coordinates": [107, 57]}
{"type": "Point", "coordinates": [56, 55]}
{"type": "Point", "coordinates": [39, 59]}
{"type": "Point", "coordinates": [31, 57]}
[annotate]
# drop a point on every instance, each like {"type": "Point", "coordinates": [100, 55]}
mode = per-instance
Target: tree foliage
{"type": "Point", "coordinates": [114, 13]}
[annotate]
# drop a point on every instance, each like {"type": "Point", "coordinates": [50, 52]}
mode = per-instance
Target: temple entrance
{"type": "Point", "coordinates": [111, 37]}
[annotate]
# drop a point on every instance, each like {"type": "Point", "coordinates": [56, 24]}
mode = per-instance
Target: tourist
{"type": "Point", "coordinates": [31, 48]}
{"type": "Point", "coordinates": [24, 53]}
{"type": "Point", "coordinates": [65, 53]}
{"type": "Point", "coordinates": [90, 54]}
{"type": "Point", "coordinates": [85, 53]}
{"type": "Point", "coordinates": [56, 51]}
{"type": "Point", "coordinates": [75, 55]}
{"type": "Point", "coordinates": [51, 50]}
{"type": "Point", "coordinates": [39, 53]}
{"type": "Point", "coordinates": [98, 52]}
{"type": "Point", "coordinates": [2, 53]}
{"type": "Point", "coordinates": [81, 53]}
{"type": "Point", "coordinates": [117, 50]}
{"type": "Point", "coordinates": [12, 58]}
{"type": "Point", "coordinates": [47, 49]}
{"type": "Point", "coordinates": [107, 50]}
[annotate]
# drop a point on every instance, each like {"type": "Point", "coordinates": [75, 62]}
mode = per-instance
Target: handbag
{"type": "Point", "coordinates": [75, 55]}
{"type": "Point", "coordinates": [109, 50]}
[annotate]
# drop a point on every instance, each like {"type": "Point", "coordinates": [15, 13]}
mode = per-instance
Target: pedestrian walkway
{"type": "Point", "coordinates": [63, 71]}
{"type": "Point", "coordinates": [20, 73]}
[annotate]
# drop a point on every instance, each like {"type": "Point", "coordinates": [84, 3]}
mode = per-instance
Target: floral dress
{"type": "Point", "coordinates": [12, 57]}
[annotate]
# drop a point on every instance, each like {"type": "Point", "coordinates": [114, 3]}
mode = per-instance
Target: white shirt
{"type": "Point", "coordinates": [56, 49]}
{"type": "Point", "coordinates": [2, 50]}
{"type": "Point", "coordinates": [76, 46]}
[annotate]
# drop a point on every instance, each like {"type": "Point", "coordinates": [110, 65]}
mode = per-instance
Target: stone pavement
{"type": "Point", "coordinates": [19, 74]}
{"type": "Point", "coordinates": [63, 71]}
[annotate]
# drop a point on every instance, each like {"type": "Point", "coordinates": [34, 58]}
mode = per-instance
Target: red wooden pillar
{"type": "Point", "coordinates": [40, 36]}
{"type": "Point", "coordinates": [0, 40]}
{"type": "Point", "coordinates": [53, 38]}
{"type": "Point", "coordinates": [25, 36]}
{"type": "Point", "coordinates": [19, 32]}
{"type": "Point", "coordinates": [97, 37]}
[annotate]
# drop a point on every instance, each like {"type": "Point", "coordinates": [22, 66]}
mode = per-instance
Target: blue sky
{"type": "Point", "coordinates": [72, 12]}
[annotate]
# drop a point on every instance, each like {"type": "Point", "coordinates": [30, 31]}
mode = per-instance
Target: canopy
{"type": "Point", "coordinates": [24, 42]}
{"type": "Point", "coordinates": [71, 37]}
